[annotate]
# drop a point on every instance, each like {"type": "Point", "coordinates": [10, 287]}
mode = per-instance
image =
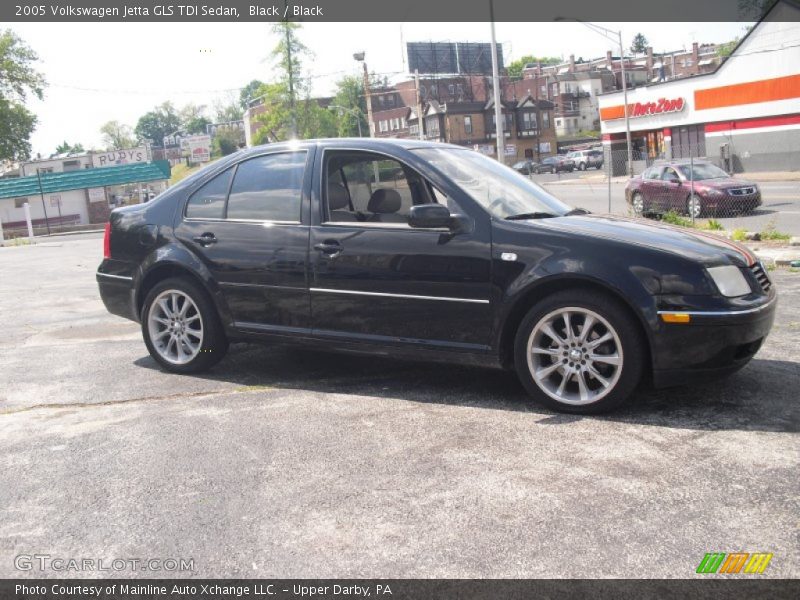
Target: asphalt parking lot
{"type": "Point", "coordinates": [290, 463]}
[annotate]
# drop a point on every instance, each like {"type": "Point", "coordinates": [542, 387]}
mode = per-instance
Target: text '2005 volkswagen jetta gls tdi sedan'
{"type": "Point", "coordinates": [429, 251]}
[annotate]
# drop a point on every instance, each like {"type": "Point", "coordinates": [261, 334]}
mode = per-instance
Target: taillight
{"type": "Point", "coordinates": [107, 241]}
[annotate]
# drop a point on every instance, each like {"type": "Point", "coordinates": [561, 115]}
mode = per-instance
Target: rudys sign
{"type": "Point", "coordinates": [120, 157]}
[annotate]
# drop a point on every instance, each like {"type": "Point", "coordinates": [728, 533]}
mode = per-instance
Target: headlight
{"type": "Point", "coordinates": [729, 280]}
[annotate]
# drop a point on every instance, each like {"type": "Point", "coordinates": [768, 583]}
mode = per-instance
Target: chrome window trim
{"type": "Point", "coordinates": [324, 197]}
{"type": "Point", "coordinates": [256, 221]}
{"type": "Point", "coordinates": [408, 296]}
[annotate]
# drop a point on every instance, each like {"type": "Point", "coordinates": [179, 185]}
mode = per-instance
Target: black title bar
{"type": "Point", "coordinates": [445, 11]}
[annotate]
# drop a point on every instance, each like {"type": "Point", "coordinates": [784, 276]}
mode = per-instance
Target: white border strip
{"type": "Point", "coordinates": [409, 296]}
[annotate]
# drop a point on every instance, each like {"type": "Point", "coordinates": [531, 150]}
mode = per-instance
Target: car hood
{"type": "Point", "coordinates": [706, 248]}
{"type": "Point", "coordinates": [725, 183]}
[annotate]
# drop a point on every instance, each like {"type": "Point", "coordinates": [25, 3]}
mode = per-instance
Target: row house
{"type": "Point", "coordinates": [528, 127]}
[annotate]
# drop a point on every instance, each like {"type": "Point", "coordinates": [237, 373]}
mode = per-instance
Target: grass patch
{"type": "Point", "coordinates": [739, 235]}
{"type": "Point", "coordinates": [712, 225]}
{"type": "Point", "coordinates": [674, 218]}
{"type": "Point", "coordinates": [771, 234]}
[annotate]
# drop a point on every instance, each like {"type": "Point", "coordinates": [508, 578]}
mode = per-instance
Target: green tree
{"type": "Point", "coordinates": [117, 136]}
{"type": "Point", "coordinates": [18, 79]}
{"type": "Point", "coordinates": [158, 123]}
{"type": "Point", "coordinates": [66, 147]}
{"type": "Point", "coordinates": [193, 118]}
{"type": "Point", "coordinates": [350, 97]}
{"type": "Point", "coordinates": [290, 110]}
{"type": "Point", "coordinates": [226, 141]}
{"type": "Point", "coordinates": [249, 92]}
{"type": "Point", "coordinates": [514, 68]}
{"type": "Point", "coordinates": [639, 44]}
{"type": "Point", "coordinates": [227, 109]}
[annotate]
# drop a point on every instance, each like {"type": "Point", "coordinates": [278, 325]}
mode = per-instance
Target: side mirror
{"type": "Point", "coordinates": [429, 216]}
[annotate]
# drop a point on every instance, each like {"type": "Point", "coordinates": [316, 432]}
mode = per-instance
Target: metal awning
{"type": "Point", "coordinates": [21, 187]}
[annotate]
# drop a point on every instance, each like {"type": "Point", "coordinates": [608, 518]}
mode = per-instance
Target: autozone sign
{"type": "Point", "coordinates": [660, 106]}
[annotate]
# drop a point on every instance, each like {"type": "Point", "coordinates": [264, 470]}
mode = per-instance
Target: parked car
{"type": "Point", "coordinates": [696, 189]}
{"type": "Point", "coordinates": [525, 167]}
{"type": "Point", "coordinates": [555, 164]}
{"type": "Point", "coordinates": [583, 159]}
{"type": "Point", "coordinates": [461, 259]}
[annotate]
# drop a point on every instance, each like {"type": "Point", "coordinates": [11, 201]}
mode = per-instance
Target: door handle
{"type": "Point", "coordinates": [329, 248]}
{"type": "Point", "coordinates": [206, 239]}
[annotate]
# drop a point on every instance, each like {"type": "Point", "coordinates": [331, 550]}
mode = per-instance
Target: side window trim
{"type": "Point", "coordinates": [325, 211]}
{"type": "Point", "coordinates": [233, 169]}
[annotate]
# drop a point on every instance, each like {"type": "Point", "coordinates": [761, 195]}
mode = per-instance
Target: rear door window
{"type": "Point", "coordinates": [208, 202]}
{"type": "Point", "coordinates": [268, 188]}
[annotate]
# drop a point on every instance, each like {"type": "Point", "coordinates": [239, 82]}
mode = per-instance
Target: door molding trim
{"type": "Point", "coordinates": [408, 296]}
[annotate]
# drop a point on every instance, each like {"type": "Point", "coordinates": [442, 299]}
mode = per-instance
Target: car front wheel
{"type": "Point", "coordinates": [637, 202]}
{"type": "Point", "coordinates": [579, 352]}
{"type": "Point", "coordinates": [694, 206]}
{"type": "Point", "coordinates": [181, 327]}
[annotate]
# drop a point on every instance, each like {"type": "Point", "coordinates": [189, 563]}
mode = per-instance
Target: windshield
{"type": "Point", "coordinates": [500, 190]}
{"type": "Point", "coordinates": [702, 171]}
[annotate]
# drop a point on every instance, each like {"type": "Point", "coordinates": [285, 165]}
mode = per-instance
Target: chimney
{"type": "Point", "coordinates": [572, 63]}
{"type": "Point", "coordinates": [695, 57]}
{"type": "Point", "coordinates": [649, 62]}
{"type": "Point", "coordinates": [609, 60]}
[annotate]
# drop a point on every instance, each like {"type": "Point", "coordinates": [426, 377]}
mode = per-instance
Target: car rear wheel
{"type": "Point", "coordinates": [579, 352]}
{"type": "Point", "coordinates": [637, 203]}
{"type": "Point", "coordinates": [694, 206]}
{"type": "Point", "coordinates": [582, 167]}
{"type": "Point", "coordinates": [181, 327]}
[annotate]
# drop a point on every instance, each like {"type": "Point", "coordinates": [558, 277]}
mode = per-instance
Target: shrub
{"type": "Point", "coordinates": [674, 218]}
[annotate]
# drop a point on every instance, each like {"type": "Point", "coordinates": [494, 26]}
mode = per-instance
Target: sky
{"type": "Point", "coordinates": [99, 72]}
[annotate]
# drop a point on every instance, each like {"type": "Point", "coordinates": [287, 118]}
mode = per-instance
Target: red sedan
{"type": "Point", "coordinates": [695, 189]}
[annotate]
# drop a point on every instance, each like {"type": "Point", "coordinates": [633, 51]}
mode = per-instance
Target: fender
{"type": "Point", "coordinates": [176, 256]}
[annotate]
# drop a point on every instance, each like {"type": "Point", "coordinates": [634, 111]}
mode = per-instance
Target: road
{"type": "Point", "coordinates": [780, 201]}
{"type": "Point", "coordinates": [295, 463]}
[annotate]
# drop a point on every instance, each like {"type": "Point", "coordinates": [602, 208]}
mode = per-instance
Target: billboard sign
{"type": "Point", "coordinates": [460, 58]}
{"type": "Point", "coordinates": [119, 157]}
{"type": "Point", "coordinates": [197, 148]}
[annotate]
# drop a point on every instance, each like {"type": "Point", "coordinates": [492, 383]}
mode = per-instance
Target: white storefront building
{"type": "Point", "coordinates": [744, 116]}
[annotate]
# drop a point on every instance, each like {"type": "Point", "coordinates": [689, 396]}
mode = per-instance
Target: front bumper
{"type": "Point", "coordinates": [713, 344]}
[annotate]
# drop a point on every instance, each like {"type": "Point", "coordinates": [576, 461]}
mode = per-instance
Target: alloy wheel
{"type": "Point", "coordinates": [175, 326]}
{"type": "Point", "coordinates": [638, 203]}
{"type": "Point", "coordinates": [694, 206]}
{"type": "Point", "coordinates": [575, 356]}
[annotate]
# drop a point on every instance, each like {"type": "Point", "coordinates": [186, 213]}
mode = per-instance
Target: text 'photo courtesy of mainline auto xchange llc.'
{"type": "Point", "coordinates": [366, 299]}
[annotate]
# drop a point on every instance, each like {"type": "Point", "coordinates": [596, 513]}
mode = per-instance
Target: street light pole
{"type": "Point", "coordinates": [498, 105]}
{"type": "Point", "coordinates": [360, 57]}
{"type": "Point", "coordinates": [614, 36]}
{"type": "Point", "coordinates": [625, 101]}
{"type": "Point", "coordinates": [353, 111]}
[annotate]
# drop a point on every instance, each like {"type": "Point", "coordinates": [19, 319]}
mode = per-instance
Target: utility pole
{"type": "Point", "coordinates": [368, 97]}
{"type": "Point", "coordinates": [625, 102]}
{"type": "Point", "coordinates": [41, 194]}
{"type": "Point", "coordinates": [290, 69]}
{"type": "Point", "coordinates": [419, 104]}
{"type": "Point", "coordinates": [498, 104]}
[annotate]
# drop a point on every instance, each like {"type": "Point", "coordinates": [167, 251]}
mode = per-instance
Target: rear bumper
{"type": "Point", "coordinates": [118, 294]}
{"type": "Point", "coordinates": [714, 344]}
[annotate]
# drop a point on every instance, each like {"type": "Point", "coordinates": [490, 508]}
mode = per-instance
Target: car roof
{"type": "Point", "coordinates": [376, 144]}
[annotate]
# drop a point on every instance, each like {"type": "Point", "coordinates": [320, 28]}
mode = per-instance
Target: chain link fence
{"type": "Point", "coordinates": [747, 185]}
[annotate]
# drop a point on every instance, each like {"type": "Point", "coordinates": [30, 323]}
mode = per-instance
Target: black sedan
{"type": "Point", "coordinates": [429, 252]}
{"type": "Point", "coordinates": [554, 164]}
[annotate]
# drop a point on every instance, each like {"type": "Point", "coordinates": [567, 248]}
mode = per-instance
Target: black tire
{"type": "Point", "coordinates": [582, 167]}
{"type": "Point", "coordinates": [214, 344]}
{"type": "Point", "coordinates": [643, 204]}
{"type": "Point", "coordinates": [634, 350]}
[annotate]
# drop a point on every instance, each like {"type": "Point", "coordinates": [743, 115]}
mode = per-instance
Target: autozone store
{"type": "Point", "coordinates": [745, 116]}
